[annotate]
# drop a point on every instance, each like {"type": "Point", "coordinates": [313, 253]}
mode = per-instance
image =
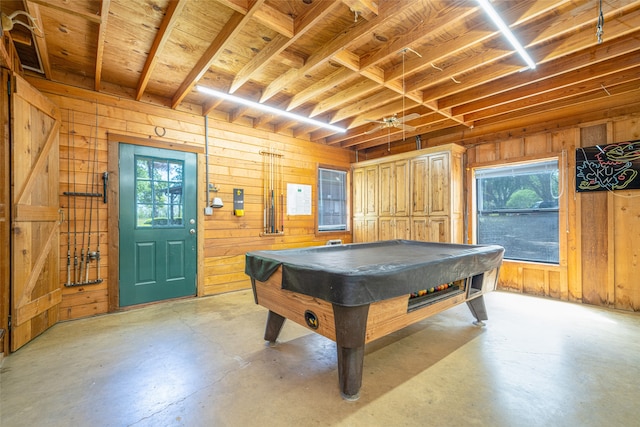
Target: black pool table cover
{"type": "Point", "coordinates": [362, 273]}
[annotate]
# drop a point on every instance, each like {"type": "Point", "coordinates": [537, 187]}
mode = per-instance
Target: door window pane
{"type": "Point", "coordinates": [159, 201]}
{"type": "Point", "coordinates": [517, 208]}
{"type": "Point", "coordinates": [332, 200]}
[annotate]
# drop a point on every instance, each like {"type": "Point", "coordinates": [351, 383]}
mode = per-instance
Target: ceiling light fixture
{"type": "Point", "coordinates": [488, 8]}
{"type": "Point", "coordinates": [268, 109]}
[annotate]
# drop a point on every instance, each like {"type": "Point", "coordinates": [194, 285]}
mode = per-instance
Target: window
{"type": "Point", "coordinates": [332, 200]}
{"type": "Point", "coordinates": [159, 202]}
{"type": "Point", "coordinates": [517, 208]}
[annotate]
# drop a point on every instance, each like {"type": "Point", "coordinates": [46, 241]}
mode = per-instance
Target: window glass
{"type": "Point", "coordinates": [159, 201]}
{"type": "Point", "coordinates": [332, 200]}
{"type": "Point", "coordinates": [517, 208]}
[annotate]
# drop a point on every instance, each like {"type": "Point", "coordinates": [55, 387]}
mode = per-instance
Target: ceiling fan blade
{"type": "Point", "coordinates": [375, 129]}
{"type": "Point", "coordinates": [408, 117]}
{"type": "Point", "coordinates": [375, 121]}
{"type": "Point", "coordinates": [407, 128]}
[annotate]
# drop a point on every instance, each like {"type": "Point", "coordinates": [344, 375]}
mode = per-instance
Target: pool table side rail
{"type": "Point", "coordinates": [384, 316]}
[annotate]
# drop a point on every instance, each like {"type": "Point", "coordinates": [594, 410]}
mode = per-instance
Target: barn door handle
{"type": "Point", "coordinates": [61, 212]}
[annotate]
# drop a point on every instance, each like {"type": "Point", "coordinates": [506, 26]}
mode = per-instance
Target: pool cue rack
{"type": "Point", "coordinates": [272, 194]}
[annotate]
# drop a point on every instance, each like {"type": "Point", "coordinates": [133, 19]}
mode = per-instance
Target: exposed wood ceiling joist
{"type": "Point", "coordinates": [346, 62]}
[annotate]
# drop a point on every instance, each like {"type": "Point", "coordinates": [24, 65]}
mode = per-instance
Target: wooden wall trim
{"type": "Point", "coordinates": [113, 215]}
{"type": "Point", "coordinates": [115, 138]}
{"type": "Point", "coordinates": [113, 192]}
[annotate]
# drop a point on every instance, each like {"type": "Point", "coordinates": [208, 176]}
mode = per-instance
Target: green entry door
{"type": "Point", "coordinates": [157, 224]}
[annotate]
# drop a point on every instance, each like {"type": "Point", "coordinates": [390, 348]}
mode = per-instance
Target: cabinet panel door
{"type": "Point", "coordinates": [419, 186]}
{"type": "Point", "coordinates": [358, 192]}
{"type": "Point", "coordinates": [365, 230]}
{"type": "Point", "coordinates": [371, 186]}
{"type": "Point", "coordinates": [439, 230]}
{"type": "Point", "coordinates": [401, 188]}
{"type": "Point", "coordinates": [420, 229]}
{"type": "Point", "coordinates": [439, 184]}
{"type": "Point", "coordinates": [402, 228]}
{"type": "Point", "coordinates": [387, 189]}
{"type": "Point", "coordinates": [386, 227]}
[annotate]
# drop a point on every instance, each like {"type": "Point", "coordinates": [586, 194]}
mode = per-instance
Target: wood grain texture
{"type": "Point", "coordinates": [234, 162]}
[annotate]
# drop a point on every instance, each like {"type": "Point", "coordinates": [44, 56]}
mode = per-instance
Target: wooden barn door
{"type": "Point", "coordinates": [35, 276]}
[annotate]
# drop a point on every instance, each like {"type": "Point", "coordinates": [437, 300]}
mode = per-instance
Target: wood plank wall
{"type": "Point", "coordinates": [599, 231]}
{"type": "Point", "coordinates": [234, 162]}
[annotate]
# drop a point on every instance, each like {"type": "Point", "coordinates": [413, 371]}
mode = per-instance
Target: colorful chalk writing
{"type": "Point", "coordinates": [608, 167]}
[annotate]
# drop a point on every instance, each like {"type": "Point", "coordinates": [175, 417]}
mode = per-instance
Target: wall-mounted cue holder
{"type": "Point", "coordinates": [83, 259]}
{"type": "Point", "coordinates": [272, 194]}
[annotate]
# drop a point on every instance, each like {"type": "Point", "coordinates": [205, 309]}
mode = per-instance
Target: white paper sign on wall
{"type": "Point", "coordinates": [298, 199]}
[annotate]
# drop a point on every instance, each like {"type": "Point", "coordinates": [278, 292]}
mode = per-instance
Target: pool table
{"type": "Point", "coordinates": [356, 293]}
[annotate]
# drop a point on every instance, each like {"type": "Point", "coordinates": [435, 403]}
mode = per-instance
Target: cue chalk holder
{"type": "Point", "coordinates": [238, 202]}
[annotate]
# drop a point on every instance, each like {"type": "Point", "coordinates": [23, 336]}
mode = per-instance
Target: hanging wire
{"type": "Point", "coordinates": [600, 26]}
{"type": "Point", "coordinates": [404, 91]}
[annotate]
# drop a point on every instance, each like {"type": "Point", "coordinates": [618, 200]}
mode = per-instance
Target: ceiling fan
{"type": "Point", "coordinates": [394, 122]}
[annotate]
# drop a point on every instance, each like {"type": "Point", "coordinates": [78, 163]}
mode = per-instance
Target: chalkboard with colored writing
{"type": "Point", "coordinates": [608, 167]}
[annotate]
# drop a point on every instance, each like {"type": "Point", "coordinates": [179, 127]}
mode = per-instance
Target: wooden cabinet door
{"type": "Point", "coordinates": [358, 192]}
{"type": "Point", "coordinates": [35, 277]}
{"type": "Point", "coordinates": [390, 228]}
{"type": "Point", "coordinates": [386, 228]}
{"type": "Point", "coordinates": [438, 186]}
{"type": "Point", "coordinates": [371, 190]}
{"type": "Point", "coordinates": [420, 228]}
{"type": "Point", "coordinates": [394, 188]}
{"type": "Point", "coordinates": [386, 189]}
{"type": "Point", "coordinates": [365, 191]}
{"type": "Point", "coordinates": [431, 229]}
{"type": "Point", "coordinates": [365, 229]}
{"type": "Point", "coordinates": [402, 228]}
{"type": "Point", "coordinates": [401, 200]}
{"type": "Point", "coordinates": [439, 229]}
{"type": "Point", "coordinates": [420, 186]}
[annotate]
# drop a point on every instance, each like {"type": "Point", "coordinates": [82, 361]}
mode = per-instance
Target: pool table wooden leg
{"type": "Point", "coordinates": [274, 325]}
{"type": "Point", "coordinates": [478, 309]}
{"type": "Point", "coordinates": [351, 326]}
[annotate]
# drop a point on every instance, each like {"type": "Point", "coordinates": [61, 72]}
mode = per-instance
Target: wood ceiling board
{"type": "Point", "coordinates": [73, 48]}
{"type": "Point", "coordinates": [249, 42]}
{"type": "Point", "coordinates": [89, 10]}
{"type": "Point", "coordinates": [581, 60]}
{"type": "Point", "coordinates": [616, 83]}
{"type": "Point", "coordinates": [296, 73]}
{"type": "Point", "coordinates": [603, 60]}
{"type": "Point", "coordinates": [132, 31]}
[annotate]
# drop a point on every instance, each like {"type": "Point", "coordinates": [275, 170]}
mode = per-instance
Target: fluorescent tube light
{"type": "Point", "coordinates": [267, 108]}
{"type": "Point", "coordinates": [506, 32]}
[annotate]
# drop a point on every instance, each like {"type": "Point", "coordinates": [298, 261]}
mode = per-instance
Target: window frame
{"type": "Point", "coordinates": [347, 201]}
{"type": "Point", "coordinates": [473, 182]}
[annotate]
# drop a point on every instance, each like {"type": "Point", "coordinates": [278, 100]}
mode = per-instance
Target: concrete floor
{"type": "Point", "coordinates": [203, 362]}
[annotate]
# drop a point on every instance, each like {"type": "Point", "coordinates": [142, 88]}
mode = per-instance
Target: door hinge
{"type": "Point", "coordinates": [9, 323]}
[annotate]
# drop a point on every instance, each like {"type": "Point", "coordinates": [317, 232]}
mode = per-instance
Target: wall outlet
{"type": "Point", "coordinates": [208, 210]}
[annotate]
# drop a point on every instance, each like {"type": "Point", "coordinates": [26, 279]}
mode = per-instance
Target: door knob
{"type": "Point", "coordinates": [192, 231]}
